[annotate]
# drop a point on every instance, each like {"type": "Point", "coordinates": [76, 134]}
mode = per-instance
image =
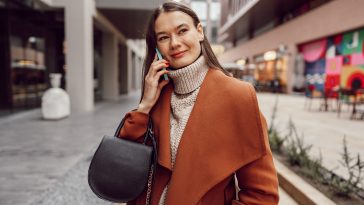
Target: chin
{"type": "Point", "coordinates": [180, 63]}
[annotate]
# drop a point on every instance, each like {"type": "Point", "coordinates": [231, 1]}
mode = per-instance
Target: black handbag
{"type": "Point", "coordinates": [121, 170]}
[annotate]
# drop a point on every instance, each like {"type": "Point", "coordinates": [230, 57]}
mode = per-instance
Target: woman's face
{"type": "Point", "coordinates": [177, 38]}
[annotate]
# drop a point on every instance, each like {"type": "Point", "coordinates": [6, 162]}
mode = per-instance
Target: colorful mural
{"type": "Point", "coordinates": [334, 65]}
{"type": "Point", "coordinates": [351, 74]}
{"type": "Point", "coordinates": [353, 42]}
{"type": "Point", "coordinates": [336, 61]}
{"type": "Point", "coordinates": [357, 59]}
{"type": "Point", "coordinates": [314, 51]}
{"type": "Point", "coordinates": [333, 71]}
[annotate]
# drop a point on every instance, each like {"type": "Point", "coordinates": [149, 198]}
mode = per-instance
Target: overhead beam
{"type": "Point", "coordinates": [128, 4]}
{"type": "Point", "coordinates": [105, 24]}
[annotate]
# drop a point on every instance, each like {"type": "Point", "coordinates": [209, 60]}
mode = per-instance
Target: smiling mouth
{"type": "Point", "coordinates": [179, 54]}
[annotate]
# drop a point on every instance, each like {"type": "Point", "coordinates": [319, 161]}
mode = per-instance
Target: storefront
{"type": "Point", "coordinates": [32, 46]}
{"type": "Point", "coordinates": [271, 71]}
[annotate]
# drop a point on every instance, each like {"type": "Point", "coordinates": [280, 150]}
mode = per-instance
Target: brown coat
{"type": "Point", "coordinates": [225, 134]}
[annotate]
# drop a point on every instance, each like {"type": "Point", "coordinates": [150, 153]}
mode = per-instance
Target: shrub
{"type": "Point", "coordinates": [276, 142]}
{"type": "Point", "coordinates": [296, 150]}
{"type": "Point", "coordinates": [355, 170]}
{"type": "Point", "coordinates": [293, 147]}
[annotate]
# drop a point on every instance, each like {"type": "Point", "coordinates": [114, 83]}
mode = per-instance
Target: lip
{"type": "Point", "coordinates": [178, 54]}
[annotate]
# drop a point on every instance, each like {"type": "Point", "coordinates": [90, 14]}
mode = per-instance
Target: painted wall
{"type": "Point", "coordinates": [335, 61]}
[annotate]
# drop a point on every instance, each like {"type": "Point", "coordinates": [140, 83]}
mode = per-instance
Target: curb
{"type": "Point", "coordinates": [301, 191]}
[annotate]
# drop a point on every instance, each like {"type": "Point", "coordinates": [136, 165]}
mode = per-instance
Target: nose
{"type": "Point", "coordinates": [175, 42]}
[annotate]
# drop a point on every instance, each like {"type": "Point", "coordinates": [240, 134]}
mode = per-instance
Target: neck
{"type": "Point", "coordinates": [189, 78]}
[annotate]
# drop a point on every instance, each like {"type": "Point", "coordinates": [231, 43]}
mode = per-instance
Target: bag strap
{"type": "Point", "coordinates": [121, 124]}
{"type": "Point", "coordinates": [149, 135]}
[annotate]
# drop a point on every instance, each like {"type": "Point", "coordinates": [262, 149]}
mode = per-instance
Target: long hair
{"type": "Point", "coordinates": [151, 40]}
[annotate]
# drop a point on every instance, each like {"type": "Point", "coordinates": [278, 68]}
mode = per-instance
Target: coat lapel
{"type": "Point", "coordinates": [161, 118]}
{"type": "Point", "coordinates": [212, 146]}
{"type": "Point", "coordinates": [223, 133]}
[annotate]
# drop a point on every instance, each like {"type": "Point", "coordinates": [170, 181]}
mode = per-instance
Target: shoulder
{"type": "Point", "coordinates": [232, 88]}
{"type": "Point", "coordinates": [236, 102]}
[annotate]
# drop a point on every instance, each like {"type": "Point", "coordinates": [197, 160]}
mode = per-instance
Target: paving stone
{"type": "Point", "coordinates": [35, 155]}
{"type": "Point", "coordinates": [323, 130]}
{"type": "Point", "coordinates": [71, 189]}
{"type": "Point", "coordinates": [46, 162]}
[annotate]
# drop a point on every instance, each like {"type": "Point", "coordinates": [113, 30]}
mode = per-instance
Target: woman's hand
{"type": "Point", "coordinates": [152, 87]}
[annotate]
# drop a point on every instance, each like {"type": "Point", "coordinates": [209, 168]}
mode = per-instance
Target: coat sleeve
{"type": "Point", "coordinates": [257, 181]}
{"type": "Point", "coordinates": [135, 126]}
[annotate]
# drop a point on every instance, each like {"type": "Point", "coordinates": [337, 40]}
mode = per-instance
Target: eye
{"type": "Point", "coordinates": [182, 31]}
{"type": "Point", "coordinates": [162, 38]}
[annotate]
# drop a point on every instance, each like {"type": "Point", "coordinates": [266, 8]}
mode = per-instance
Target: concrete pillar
{"type": "Point", "coordinates": [79, 56]}
{"type": "Point", "coordinates": [140, 73]}
{"type": "Point", "coordinates": [130, 69]}
{"type": "Point", "coordinates": [134, 70]}
{"type": "Point", "coordinates": [292, 52]}
{"type": "Point", "coordinates": [123, 69]}
{"type": "Point", "coordinates": [208, 20]}
{"type": "Point", "coordinates": [110, 90]}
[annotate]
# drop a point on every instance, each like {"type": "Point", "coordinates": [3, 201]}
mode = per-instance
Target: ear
{"type": "Point", "coordinates": [200, 31]}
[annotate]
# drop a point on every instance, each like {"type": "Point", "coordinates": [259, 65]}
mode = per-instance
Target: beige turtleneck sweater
{"type": "Point", "coordinates": [187, 82]}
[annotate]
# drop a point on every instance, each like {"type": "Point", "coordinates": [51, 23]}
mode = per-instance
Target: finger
{"type": "Point", "coordinates": [155, 78]}
{"type": "Point", "coordinates": [159, 74]}
{"type": "Point", "coordinates": [160, 61]}
{"type": "Point", "coordinates": [153, 66]}
{"type": "Point", "coordinates": [155, 57]}
{"type": "Point", "coordinates": [157, 66]}
{"type": "Point", "coordinates": [162, 84]}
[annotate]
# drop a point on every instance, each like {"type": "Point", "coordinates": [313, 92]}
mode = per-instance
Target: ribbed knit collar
{"type": "Point", "coordinates": [189, 78]}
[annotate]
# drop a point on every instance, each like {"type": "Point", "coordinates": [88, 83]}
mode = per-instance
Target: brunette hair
{"type": "Point", "coordinates": [151, 40]}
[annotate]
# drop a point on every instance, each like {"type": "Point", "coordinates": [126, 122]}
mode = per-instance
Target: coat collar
{"type": "Point", "coordinates": [223, 135]}
{"type": "Point", "coordinates": [164, 110]}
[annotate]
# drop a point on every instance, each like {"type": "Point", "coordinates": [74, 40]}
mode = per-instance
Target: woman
{"type": "Point", "coordinates": [208, 125]}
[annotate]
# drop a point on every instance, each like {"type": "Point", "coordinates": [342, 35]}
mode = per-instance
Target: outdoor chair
{"type": "Point", "coordinates": [311, 94]}
{"type": "Point", "coordinates": [345, 97]}
{"type": "Point", "coordinates": [358, 91]}
{"type": "Point", "coordinates": [353, 97]}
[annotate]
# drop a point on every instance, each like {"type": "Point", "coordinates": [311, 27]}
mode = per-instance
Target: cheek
{"type": "Point", "coordinates": [196, 46]}
{"type": "Point", "coordinates": [192, 42]}
{"type": "Point", "coordinates": [163, 49]}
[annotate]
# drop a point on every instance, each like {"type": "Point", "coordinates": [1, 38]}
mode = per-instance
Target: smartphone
{"type": "Point", "coordinates": [160, 58]}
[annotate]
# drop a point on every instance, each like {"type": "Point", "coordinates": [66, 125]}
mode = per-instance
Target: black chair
{"type": "Point", "coordinates": [356, 85]}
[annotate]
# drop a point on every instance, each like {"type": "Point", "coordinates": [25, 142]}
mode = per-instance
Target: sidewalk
{"type": "Point", "coordinates": [46, 162]}
{"type": "Point", "coordinates": [324, 130]}
{"type": "Point", "coordinates": [36, 154]}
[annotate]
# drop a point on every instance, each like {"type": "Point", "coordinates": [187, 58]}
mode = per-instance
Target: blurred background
{"type": "Point", "coordinates": [297, 46]}
{"type": "Point", "coordinates": [304, 57]}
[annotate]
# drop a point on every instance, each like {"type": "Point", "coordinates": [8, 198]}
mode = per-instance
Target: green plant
{"type": "Point", "coordinates": [315, 170]}
{"type": "Point", "coordinates": [275, 140]}
{"type": "Point", "coordinates": [296, 150]}
{"type": "Point", "coordinates": [355, 169]}
{"type": "Point", "coordinates": [273, 117]}
{"type": "Point", "coordinates": [293, 147]}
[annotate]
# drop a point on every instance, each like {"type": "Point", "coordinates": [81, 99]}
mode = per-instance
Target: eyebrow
{"type": "Point", "coordinates": [178, 27]}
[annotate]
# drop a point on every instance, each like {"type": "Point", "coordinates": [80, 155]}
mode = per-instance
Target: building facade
{"type": "Point", "coordinates": [291, 45]}
{"type": "Point", "coordinates": [95, 44]}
